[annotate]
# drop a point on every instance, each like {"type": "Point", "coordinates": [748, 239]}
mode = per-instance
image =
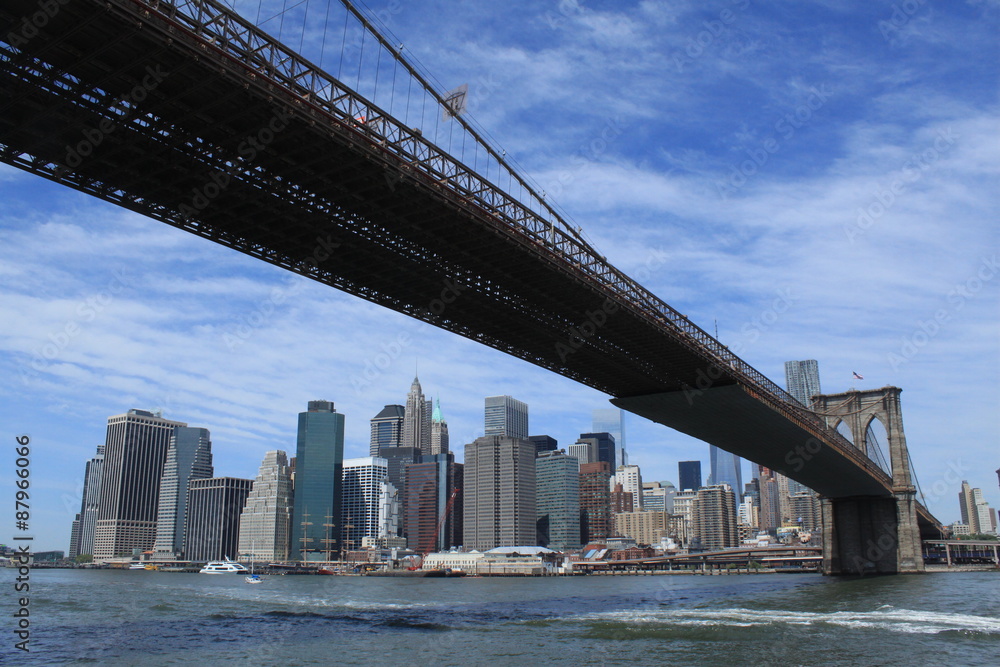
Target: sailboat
{"type": "Point", "coordinates": [252, 578]}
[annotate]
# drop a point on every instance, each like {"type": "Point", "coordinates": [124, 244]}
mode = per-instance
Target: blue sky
{"type": "Point", "coordinates": [820, 179]}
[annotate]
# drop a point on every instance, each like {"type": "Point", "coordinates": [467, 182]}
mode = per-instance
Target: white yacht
{"type": "Point", "coordinates": [222, 567]}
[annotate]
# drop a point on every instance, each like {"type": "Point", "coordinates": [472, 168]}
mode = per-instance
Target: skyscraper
{"type": "Point", "coordinates": [630, 477]}
{"type": "Point", "coordinates": [389, 517]}
{"type": "Point", "coordinates": [606, 448]}
{"type": "Point", "coordinates": [802, 380]}
{"type": "Point", "coordinates": [976, 512]}
{"type": "Point", "coordinates": [770, 501]}
{"type": "Point", "coordinates": [585, 450]}
{"type": "Point", "coordinates": [727, 468]}
{"type": "Point", "coordinates": [689, 473]}
{"type": "Point", "coordinates": [595, 502]}
{"type": "Point", "coordinates": [189, 456]}
{"type": "Point", "coordinates": [362, 494]}
{"type": "Point", "coordinates": [417, 420]}
{"type": "Point", "coordinates": [387, 429]}
{"type": "Point", "coordinates": [544, 443]}
{"type": "Point", "coordinates": [805, 511]}
{"type": "Point", "coordinates": [134, 454]}
{"type": "Point", "coordinates": [683, 512]}
{"type": "Point", "coordinates": [500, 490]}
{"type": "Point", "coordinates": [266, 519]}
{"type": "Point", "coordinates": [319, 458]}
{"type": "Point", "coordinates": [213, 517]}
{"type": "Point", "coordinates": [612, 420]}
{"type": "Point", "coordinates": [90, 504]}
{"type": "Point", "coordinates": [621, 500]}
{"type": "Point", "coordinates": [713, 518]}
{"type": "Point", "coordinates": [431, 525]}
{"type": "Point", "coordinates": [439, 431]}
{"type": "Point", "coordinates": [506, 416]}
{"type": "Point", "coordinates": [658, 496]}
{"type": "Point", "coordinates": [558, 499]}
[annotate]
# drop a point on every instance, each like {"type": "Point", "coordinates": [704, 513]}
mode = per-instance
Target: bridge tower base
{"type": "Point", "coordinates": [871, 535]}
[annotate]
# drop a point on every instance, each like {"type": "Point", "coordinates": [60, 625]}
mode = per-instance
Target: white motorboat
{"type": "Point", "coordinates": [222, 567]}
{"type": "Point", "coordinates": [137, 565]}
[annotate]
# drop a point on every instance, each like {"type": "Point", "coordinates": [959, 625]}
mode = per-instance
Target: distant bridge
{"type": "Point", "coordinates": [187, 113]}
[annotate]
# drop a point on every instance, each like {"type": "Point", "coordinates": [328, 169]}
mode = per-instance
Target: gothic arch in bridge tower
{"type": "Point", "coordinates": [856, 410]}
{"type": "Point", "coordinates": [845, 430]}
{"type": "Point", "coordinates": [871, 534]}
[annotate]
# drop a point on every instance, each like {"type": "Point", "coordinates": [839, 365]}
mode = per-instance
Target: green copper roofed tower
{"type": "Point", "coordinates": [439, 431]}
{"type": "Point", "coordinates": [318, 466]}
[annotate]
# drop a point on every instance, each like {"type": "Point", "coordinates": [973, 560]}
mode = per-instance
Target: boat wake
{"type": "Point", "coordinates": [884, 618]}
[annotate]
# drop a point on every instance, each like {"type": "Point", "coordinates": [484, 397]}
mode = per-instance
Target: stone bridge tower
{"type": "Point", "coordinates": [870, 534]}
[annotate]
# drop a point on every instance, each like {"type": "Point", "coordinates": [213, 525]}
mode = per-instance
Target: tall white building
{"type": "Point", "coordinates": [266, 520]}
{"type": "Point", "coordinates": [584, 449]}
{"type": "Point", "coordinates": [683, 506]}
{"type": "Point", "coordinates": [802, 380]}
{"type": "Point", "coordinates": [362, 501]}
{"type": "Point", "coordinates": [388, 511]}
{"type": "Point", "coordinates": [976, 512]}
{"type": "Point", "coordinates": [631, 480]}
{"type": "Point", "coordinates": [506, 416]}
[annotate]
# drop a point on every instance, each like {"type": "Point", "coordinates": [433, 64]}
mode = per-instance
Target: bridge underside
{"type": "Point", "coordinates": [730, 418]}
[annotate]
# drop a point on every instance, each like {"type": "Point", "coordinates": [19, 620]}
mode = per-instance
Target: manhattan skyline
{"type": "Point", "coordinates": [102, 310]}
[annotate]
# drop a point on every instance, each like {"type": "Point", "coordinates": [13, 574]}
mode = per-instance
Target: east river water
{"type": "Point", "coordinates": [107, 617]}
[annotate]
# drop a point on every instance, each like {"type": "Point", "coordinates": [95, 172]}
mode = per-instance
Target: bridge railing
{"type": "Point", "coordinates": [263, 57]}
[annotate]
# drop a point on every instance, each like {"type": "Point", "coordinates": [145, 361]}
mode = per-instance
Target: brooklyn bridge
{"type": "Point", "coordinates": [371, 180]}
